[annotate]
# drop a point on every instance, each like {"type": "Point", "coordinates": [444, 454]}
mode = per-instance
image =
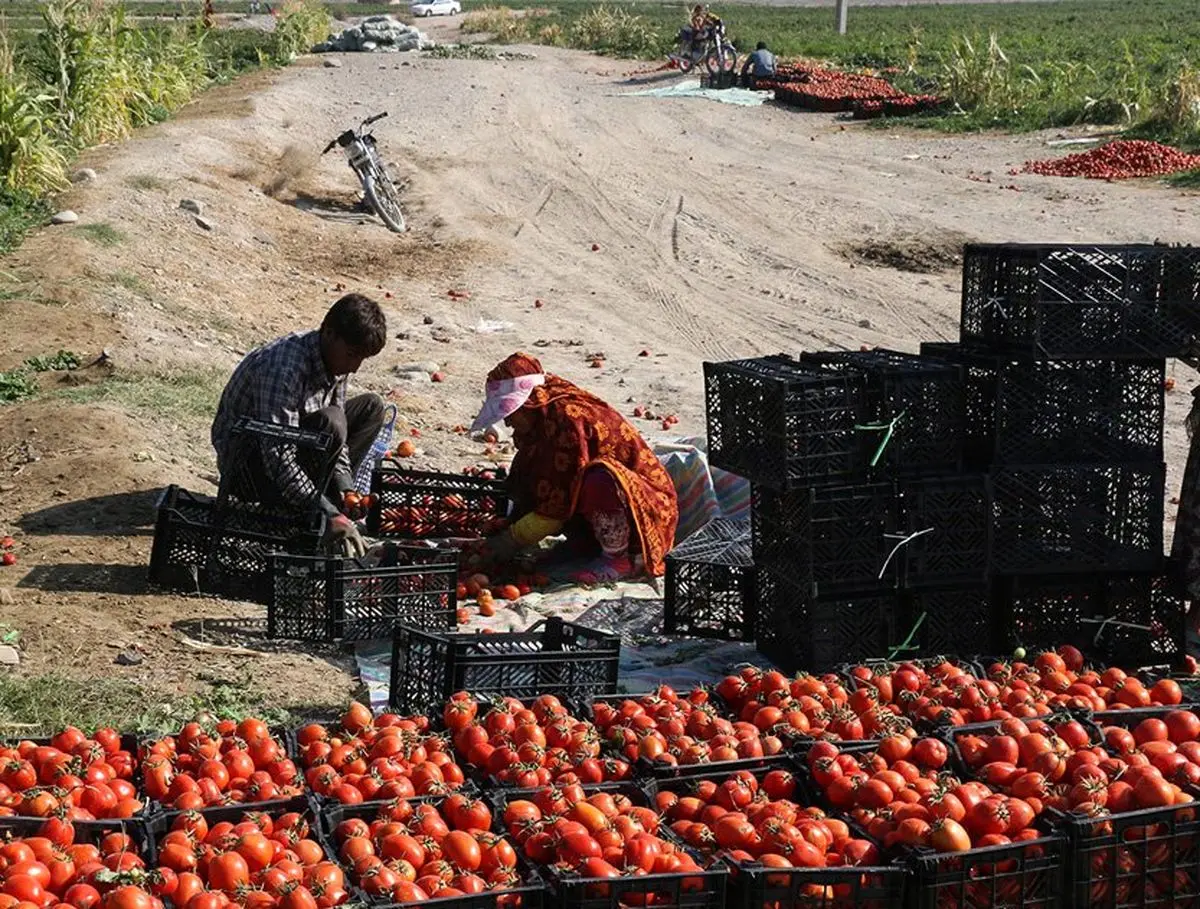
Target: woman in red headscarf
{"type": "Point", "coordinates": [581, 469]}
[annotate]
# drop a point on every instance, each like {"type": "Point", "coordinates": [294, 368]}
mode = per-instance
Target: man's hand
{"type": "Point", "coordinates": [343, 538]}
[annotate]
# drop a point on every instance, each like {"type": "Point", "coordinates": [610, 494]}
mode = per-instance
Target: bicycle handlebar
{"type": "Point", "coordinates": [346, 137]}
{"type": "Point", "coordinates": [370, 120]}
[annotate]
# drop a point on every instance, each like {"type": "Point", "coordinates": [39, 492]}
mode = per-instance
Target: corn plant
{"type": "Point", "coordinates": [30, 159]}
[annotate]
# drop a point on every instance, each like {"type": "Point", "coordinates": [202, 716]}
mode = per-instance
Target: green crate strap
{"type": "Point", "coordinates": [907, 643]}
{"type": "Point", "coordinates": [888, 429]}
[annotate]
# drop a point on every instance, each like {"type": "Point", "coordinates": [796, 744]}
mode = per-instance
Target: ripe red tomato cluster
{"type": "Point", "coordinates": [1048, 765]}
{"type": "Point", "coordinates": [832, 90]}
{"type": "Point", "coordinates": [665, 728]}
{"type": "Point", "coordinates": [749, 820]}
{"type": "Point", "coordinates": [448, 514]}
{"type": "Point", "coordinates": [1117, 160]}
{"type": "Point", "coordinates": [79, 777]}
{"type": "Point", "coordinates": [384, 757]}
{"type": "Point", "coordinates": [602, 835]}
{"type": "Point", "coordinates": [949, 694]}
{"type": "Point", "coordinates": [426, 851]}
{"type": "Point", "coordinates": [261, 862]}
{"type": "Point", "coordinates": [529, 746]}
{"type": "Point", "coordinates": [57, 868]}
{"type": "Point", "coordinates": [242, 762]}
{"type": "Point", "coordinates": [900, 797]}
{"type": "Point", "coordinates": [812, 705]}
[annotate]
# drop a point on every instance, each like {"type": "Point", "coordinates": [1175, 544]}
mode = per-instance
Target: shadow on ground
{"type": "Point", "coordinates": [122, 514]}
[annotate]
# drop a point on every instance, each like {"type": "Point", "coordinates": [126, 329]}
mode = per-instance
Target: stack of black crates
{"type": "Point", "coordinates": [1005, 490]}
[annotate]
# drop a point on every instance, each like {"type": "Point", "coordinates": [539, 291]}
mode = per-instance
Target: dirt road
{"type": "Point", "coordinates": [686, 228]}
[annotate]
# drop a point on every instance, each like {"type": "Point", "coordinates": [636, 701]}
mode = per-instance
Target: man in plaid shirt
{"type": "Point", "coordinates": [299, 381]}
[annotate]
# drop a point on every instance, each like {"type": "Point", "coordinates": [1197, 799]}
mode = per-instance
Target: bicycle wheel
{"type": "Point", "coordinates": [382, 195]}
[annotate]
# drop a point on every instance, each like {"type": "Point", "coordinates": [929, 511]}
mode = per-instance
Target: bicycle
{"type": "Point", "coordinates": [368, 166]}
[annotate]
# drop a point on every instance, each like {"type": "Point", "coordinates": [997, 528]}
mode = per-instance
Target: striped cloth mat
{"type": "Point", "coordinates": [705, 492]}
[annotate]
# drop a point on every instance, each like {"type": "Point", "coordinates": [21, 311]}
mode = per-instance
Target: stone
{"type": "Point", "coordinates": [192, 205]}
{"type": "Point", "coordinates": [128, 657]}
{"type": "Point", "coordinates": [66, 216]}
{"type": "Point", "coordinates": [332, 63]}
{"type": "Point", "coordinates": [6, 597]}
{"type": "Point", "coordinates": [84, 175]}
{"type": "Point", "coordinates": [9, 655]}
{"type": "Point", "coordinates": [205, 223]}
{"type": "Point", "coordinates": [428, 320]}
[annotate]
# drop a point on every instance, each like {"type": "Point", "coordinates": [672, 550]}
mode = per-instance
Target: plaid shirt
{"type": "Point", "coordinates": [281, 382]}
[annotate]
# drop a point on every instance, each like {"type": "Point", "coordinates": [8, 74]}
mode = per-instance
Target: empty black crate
{"type": "Point", "coordinates": [753, 885]}
{"type": "Point", "coordinates": [1101, 411]}
{"type": "Point", "coordinates": [418, 504]}
{"type": "Point", "coordinates": [783, 424]}
{"type": "Point", "coordinates": [331, 599]}
{"type": "Point", "coordinates": [277, 466]}
{"type": "Point", "coordinates": [799, 631]}
{"type": "Point", "coordinates": [551, 657]}
{"type": "Point", "coordinates": [944, 530]}
{"type": "Point", "coordinates": [916, 406]}
{"type": "Point", "coordinates": [1077, 518]}
{"type": "Point", "coordinates": [1081, 301]}
{"type": "Point", "coordinates": [830, 539]}
{"type": "Point", "coordinates": [1127, 620]}
{"type": "Point", "coordinates": [1028, 874]}
{"type": "Point", "coordinates": [223, 550]}
{"type": "Point", "coordinates": [710, 587]}
{"type": "Point", "coordinates": [950, 620]}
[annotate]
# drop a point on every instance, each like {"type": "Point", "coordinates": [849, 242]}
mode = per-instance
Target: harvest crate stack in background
{"type": "Point", "coordinates": [1005, 490]}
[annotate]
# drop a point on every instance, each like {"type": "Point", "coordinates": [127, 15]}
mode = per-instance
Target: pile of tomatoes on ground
{"type": "Point", "coordinates": [242, 762]}
{"type": "Point", "coordinates": [408, 852]}
{"type": "Point", "coordinates": [526, 746]}
{"type": "Point", "coordinates": [377, 757]}
{"type": "Point", "coordinates": [73, 776]}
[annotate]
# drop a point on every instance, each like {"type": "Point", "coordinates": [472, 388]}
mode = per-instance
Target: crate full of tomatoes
{"type": "Point", "coordinates": [604, 847]}
{"type": "Point", "coordinates": [1131, 817]}
{"type": "Point", "coordinates": [964, 842]}
{"type": "Point", "coordinates": [780, 847]}
{"type": "Point", "coordinates": [363, 757]}
{"type": "Point", "coordinates": [79, 777]}
{"type": "Point", "coordinates": [417, 504]}
{"type": "Point", "coordinates": [409, 851]}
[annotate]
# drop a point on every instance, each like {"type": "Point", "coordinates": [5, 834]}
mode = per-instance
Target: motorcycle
{"type": "Point", "coordinates": [714, 48]}
{"type": "Point", "coordinates": [378, 186]}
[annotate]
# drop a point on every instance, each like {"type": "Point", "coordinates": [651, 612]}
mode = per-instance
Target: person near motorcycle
{"type": "Point", "coordinates": [759, 65]}
{"type": "Point", "coordinates": [702, 20]}
{"type": "Point", "coordinates": [300, 381]}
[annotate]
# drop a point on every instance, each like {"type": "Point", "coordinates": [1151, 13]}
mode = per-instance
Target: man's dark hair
{"type": "Point", "coordinates": [359, 322]}
{"type": "Point", "coordinates": [762, 45]}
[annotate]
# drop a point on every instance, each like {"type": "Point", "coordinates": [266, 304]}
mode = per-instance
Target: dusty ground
{"type": "Point", "coordinates": [721, 232]}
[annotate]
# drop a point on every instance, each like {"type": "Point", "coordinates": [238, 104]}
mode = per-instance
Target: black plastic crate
{"type": "Point", "coordinates": [832, 539]}
{"type": "Point", "coordinates": [551, 657]}
{"type": "Point", "coordinates": [234, 814]}
{"type": "Point", "coordinates": [1149, 857]}
{"type": "Point", "coordinates": [1101, 411]}
{"type": "Point", "coordinates": [332, 599]}
{"type": "Point", "coordinates": [754, 886]}
{"type": "Point", "coordinates": [1081, 301]}
{"type": "Point", "coordinates": [1028, 874]}
{"type": "Point", "coordinates": [1125, 620]}
{"type": "Point", "coordinates": [1077, 518]}
{"type": "Point", "coordinates": [955, 619]}
{"type": "Point", "coordinates": [917, 407]}
{"type": "Point", "coordinates": [979, 399]}
{"type": "Point", "coordinates": [799, 631]}
{"type": "Point", "coordinates": [305, 461]}
{"type": "Point", "coordinates": [419, 504]}
{"type": "Point", "coordinates": [685, 890]}
{"type": "Point", "coordinates": [224, 551]}
{"type": "Point", "coordinates": [944, 536]}
{"type": "Point", "coordinates": [784, 424]}
{"type": "Point", "coordinates": [710, 584]}
{"type": "Point", "coordinates": [142, 831]}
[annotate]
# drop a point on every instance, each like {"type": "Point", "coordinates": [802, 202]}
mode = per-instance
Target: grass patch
{"type": "Point", "coordinates": [174, 395]}
{"type": "Point", "coordinates": [147, 182]}
{"type": "Point", "coordinates": [102, 234]}
{"type": "Point", "coordinates": [43, 705]}
{"type": "Point", "coordinates": [130, 282]}
{"type": "Point", "coordinates": [16, 385]}
{"type": "Point", "coordinates": [1188, 179]}
{"type": "Point", "coordinates": [20, 212]}
{"type": "Point", "coordinates": [62, 360]}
